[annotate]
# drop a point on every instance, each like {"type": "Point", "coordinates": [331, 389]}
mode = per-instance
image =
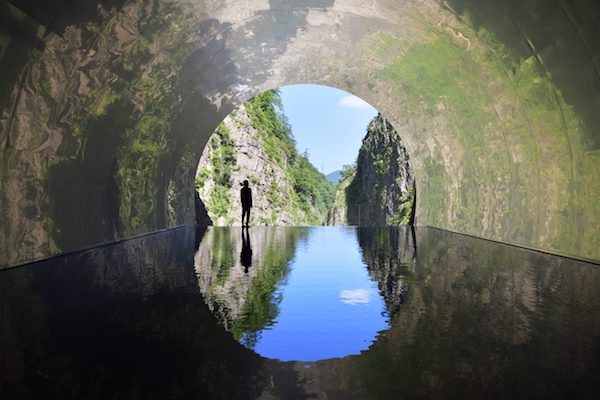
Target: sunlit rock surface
{"type": "Point", "coordinates": [378, 190]}
{"type": "Point", "coordinates": [105, 108]}
{"type": "Point", "coordinates": [238, 151]}
{"type": "Point", "coordinates": [381, 192]}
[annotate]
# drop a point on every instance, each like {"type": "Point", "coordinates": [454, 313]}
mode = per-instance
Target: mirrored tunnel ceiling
{"type": "Point", "coordinates": [107, 105]}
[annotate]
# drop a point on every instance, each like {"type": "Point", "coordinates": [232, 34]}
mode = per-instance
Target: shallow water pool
{"type": "Point", "coordinates": [300, 313]}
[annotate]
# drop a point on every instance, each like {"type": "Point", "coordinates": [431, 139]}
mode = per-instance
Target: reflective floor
{"type": "Point", "coordinates": [288, 296]}
{"type": "Point", "coordinates": [427, 314]}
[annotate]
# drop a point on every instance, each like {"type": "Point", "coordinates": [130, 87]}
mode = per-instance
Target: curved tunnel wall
{"type": "Point", "coordinates": [106, 107]}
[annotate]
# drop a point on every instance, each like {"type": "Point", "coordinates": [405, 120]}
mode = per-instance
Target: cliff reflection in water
{"type": "Point", "coordinates": [389, 254]}
{"type": "Point", "coordinates": [469, 319]}
{"type": "Point", "coordinates": [291, 297]}
{"type": "Point", "coordinates": [239, 272]}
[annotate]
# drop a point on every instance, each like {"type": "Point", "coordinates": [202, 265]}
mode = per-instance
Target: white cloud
{"type": "Point", "coordinates": [357, 296]}
{"type": "Point", "coordinates": [354, 102]}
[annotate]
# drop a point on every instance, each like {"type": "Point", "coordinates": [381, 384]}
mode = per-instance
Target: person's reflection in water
{"type": "Point", "coordinates": [246, 254]}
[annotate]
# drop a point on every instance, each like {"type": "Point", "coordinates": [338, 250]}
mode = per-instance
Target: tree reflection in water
{"type": "Point", "coordinates": [245, 300]}
{"type": "Point", "coordinates": [478, 320]}
{"type": "Point", "coordinates": [318, 319]}
{"type": "Point", "coordinates": [389, 253]}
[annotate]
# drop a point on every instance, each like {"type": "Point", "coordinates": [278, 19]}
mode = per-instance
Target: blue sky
{"type": "Point", "coordinates": [328, 122]}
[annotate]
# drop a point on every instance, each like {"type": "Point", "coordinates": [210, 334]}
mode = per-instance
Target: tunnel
{"type": "Point", "coordinates": [107, 105]}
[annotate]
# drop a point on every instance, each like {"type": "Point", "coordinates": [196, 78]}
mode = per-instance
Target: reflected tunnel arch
{"type": "Point", "coordinates": [106, 108]}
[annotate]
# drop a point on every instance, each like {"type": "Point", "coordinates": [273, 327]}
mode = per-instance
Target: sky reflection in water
{"type": "Point", "coordinates": [324, 304]}
{"type": "Point", "coordinates": [470, 319]}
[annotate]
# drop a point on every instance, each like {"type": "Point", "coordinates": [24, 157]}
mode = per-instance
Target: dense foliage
{"type": "Point", "coordinates": [306, 195]}
{"type": "Point", "coordinates": [313, 194]}
{"type": "Point", "coordinates": [222, 158]}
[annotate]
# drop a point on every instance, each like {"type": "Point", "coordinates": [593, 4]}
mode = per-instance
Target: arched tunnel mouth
{"type": "Point", "coordinates": [292, 296]}
{"type": "Point", "coordinates": [370, 180]}
{"type": "Point", "coordinates": [106, 106]}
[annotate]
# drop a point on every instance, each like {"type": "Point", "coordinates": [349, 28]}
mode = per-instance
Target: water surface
{"type": "Point", "coordinates": [323, 302]}
{"type": "Point", "coordinates": [467, 318]}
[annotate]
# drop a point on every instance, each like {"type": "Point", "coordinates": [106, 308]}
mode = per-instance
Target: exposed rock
{"type": "Point", "coordinates": [382, 189]}
{"type": "Point", "coordinates": [237, 152]}
{"type": "Point", "coordinates": [251, 163]}
{"type": "Point", "coordinates": [202, 217]}
{"type": "Point", "coordinates": [339, 210]}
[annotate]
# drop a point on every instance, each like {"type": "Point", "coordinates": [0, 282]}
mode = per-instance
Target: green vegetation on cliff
{"type": "Point", "coordinates": [222, 158]}
{"type": "Point", "coordinates": [379, 189]}
{"type": "Point", "coordinates": [313, 193]}
{"type": "Point", "coordinates": [256, 143]}
{"type": "Point", "coordinates": [339, 209]}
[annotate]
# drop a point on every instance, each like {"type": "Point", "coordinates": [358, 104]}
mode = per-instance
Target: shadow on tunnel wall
{"type": "Point", "coordinates": [99, 128]}
{"type": "Point", "coordinates": [57, 15]}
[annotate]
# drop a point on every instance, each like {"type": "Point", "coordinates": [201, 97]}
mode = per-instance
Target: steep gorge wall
{"type": "Point", "coordinates": [243, 148]}
{"type": "Point", "coordinates": [381, 190]}
{"type": "Point", "coordinates": [339, 209]}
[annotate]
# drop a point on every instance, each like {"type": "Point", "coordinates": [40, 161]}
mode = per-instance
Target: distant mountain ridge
{"type": "Point", "coordinates": [335, 177]}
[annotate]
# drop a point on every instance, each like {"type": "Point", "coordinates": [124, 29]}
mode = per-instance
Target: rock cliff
{"type": "Point", "coordinates": [381, 189]}
{"type": "Point", "coordinates": [254, 143]}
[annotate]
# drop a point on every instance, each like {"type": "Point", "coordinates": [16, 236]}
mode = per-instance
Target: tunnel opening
{"type": "Point", "coordinates": [370, 180]}
{"type": "Point", "coordinates": [287, 287]}
{"type": "Point", "coordinates": [106, 106]}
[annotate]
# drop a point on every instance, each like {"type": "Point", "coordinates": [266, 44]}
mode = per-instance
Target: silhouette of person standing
{"type": "Point", "coordinates": [246, 254]}
{"type": "Point", "coordinates": [246, 198]}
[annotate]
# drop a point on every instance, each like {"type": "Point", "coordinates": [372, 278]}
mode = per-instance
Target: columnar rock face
{"type": "Point", "coordinates": [105, 107]}
{"type": "Point", "coordinates": [339, 210]}
{"type": "Point", "coordinates": [380, 190]}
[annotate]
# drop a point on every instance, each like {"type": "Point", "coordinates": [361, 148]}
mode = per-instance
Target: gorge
{"type": "Point", "coordinates": [255, 142]}
{"type": "Point", "coordinates": [113, 287]}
